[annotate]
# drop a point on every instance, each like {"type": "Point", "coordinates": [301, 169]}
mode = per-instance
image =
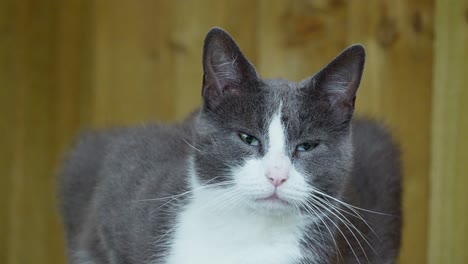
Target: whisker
{"type": "Point", "coordinates": [347, 224]}
{"type": "Point", "coordinates": [312, 211]}
{"type": "Point", "coordinates": [341, 232]}
{"type": "Point", "coordinates": [357, 215]}
{"type": "Point", "coordinates": [201, 208]}
{"type": "Point", "coordinates": [348, 205]}
{"type": "Point", "coordinates": [166, 233]}
{"type": "Point", "coordinates": [192, 146]}
{"type": "Point", "coordinates": [206, 185]}
{"type": "Point", "coordinates": [218, 199]}
{"type": "Point", "coordinates": [230, 201]}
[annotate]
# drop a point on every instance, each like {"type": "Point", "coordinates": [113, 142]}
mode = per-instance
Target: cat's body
{"type": "Point", "coordinates": [194, 193]}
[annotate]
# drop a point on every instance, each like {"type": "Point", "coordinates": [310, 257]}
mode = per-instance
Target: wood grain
{"type": "Point", "coordinates": [70, 65]}
{"type": "Point", "coordinates": [42, 83]}
{"type": "Point", "coordinates": [134, 72]}
{"type": "Point", "coordinates": [296, 39]}
{"type": "Point", "coordinates": [8, 128]}
{"type": "Point", "coordinates": [448, 230]}
{"type": "Point", "coordinates": [31, 203]}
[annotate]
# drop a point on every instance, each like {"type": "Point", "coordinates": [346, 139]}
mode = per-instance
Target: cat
{"type": "Point", "coordinates": [265, 171]}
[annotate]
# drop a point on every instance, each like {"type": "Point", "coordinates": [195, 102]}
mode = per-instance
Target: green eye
{"type": "Point", "coordinates": [249, 139]}
{"type": "Point", "coordinates": [306, 147]}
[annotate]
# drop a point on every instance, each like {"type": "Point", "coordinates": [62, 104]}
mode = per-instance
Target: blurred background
{"type": "Point", "coordinates": [68, 65]}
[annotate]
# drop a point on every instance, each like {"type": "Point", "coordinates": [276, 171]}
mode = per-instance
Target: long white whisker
{"type": "Point", "coordinates": [314, 212]}
{"type": "Point", "coordinates": [221, 198]}
{"type": "Point", "coordinates": [166, 233]}
{"type": "Point", "coordinates": [347, 224]}
{"type": "Point", "coordinates": [346, 204]}
{"type": "Point", "coordinates": [339, 230]}
{"type": "Point", "coordinates": [230, 201]}
{"type": "Point", "coordinates": [205, 206]}
{"type": "Point", "coordinates": [192, 146]}
{"type": "Point", "coordinates": [206, 185]}
{"type": "Point", "coordinates": [224, 200]}
{"type": "Point", "coordinates": [356, 214]}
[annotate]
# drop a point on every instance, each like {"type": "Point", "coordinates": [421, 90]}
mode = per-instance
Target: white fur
{"type": "Point", "coordinates": [234, 236]}
{"type": "Point", "coordinates": [276, 155]}
{"type": "Point", "coordinates": [82, 257]}
{"type": "Point", "coordinates": [230, 226]}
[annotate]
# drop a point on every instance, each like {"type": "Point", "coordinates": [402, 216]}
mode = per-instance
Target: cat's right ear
{"type": "Point", "coordinates": [340, 79]}
{"type": "Point", "coordinates": [225, 68]}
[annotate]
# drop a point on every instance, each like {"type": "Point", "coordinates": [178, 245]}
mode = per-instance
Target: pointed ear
{"type": "Point", "coordinates": [340, 79]}
{"type": "Point", "coordinates": [225, 69]}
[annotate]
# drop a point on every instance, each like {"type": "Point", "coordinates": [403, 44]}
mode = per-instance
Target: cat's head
{"type": "Point", "coordinates": [273, 144]}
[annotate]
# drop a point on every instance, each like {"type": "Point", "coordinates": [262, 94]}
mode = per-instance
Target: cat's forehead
{"type": "Point", "coordinates": [280, 85]}
{"type": "Point", "coordinates": [298, 107]}
{"type": "Point", "coordinates": [284, 93]}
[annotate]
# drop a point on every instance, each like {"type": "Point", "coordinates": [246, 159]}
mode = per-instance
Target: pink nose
{"type": "Point", "coordinates": [277, 177]}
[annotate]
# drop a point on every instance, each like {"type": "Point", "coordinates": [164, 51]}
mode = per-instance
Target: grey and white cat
{"type": "Point", "coordinates": [265, 172]}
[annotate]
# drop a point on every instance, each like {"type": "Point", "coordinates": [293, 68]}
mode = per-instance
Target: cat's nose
{"type": "Point", "coordinates": [277, 176]}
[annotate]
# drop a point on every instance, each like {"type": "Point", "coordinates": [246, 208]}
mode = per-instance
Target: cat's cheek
{"type": "Point", "coordinates": [296, 188]}
{"type": "Point", "coordinates": [251, 181]}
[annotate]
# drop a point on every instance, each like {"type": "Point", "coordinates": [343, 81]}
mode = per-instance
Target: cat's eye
{"type": "Point", "coordinates": [248, 139]}
{"type": "Point", "coordinates": [306, 146]}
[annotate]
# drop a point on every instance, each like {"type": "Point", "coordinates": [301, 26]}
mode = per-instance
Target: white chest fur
{"type": "Point", "coordinates": [234, 236]}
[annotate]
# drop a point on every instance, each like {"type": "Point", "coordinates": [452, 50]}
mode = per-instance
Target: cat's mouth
{"type": "Point", "coordinates": [273, 198]}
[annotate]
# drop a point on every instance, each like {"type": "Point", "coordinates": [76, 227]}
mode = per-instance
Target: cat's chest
{"type": "Point", "coordinates": [234, 236]}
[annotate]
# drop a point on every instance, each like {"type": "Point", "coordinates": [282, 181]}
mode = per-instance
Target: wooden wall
{"type": "Point", "coordinates": [68, 65]}
{"type": "Point", "coordinates": [448, 233]}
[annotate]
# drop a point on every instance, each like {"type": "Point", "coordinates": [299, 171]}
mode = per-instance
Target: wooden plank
{"type": "Point", "coordinates": [8, 127]}
{"type": "Point", "coordinates": [296, 39]}
{"type": "Point", "coordinates": [74, 47]}
{"type": "Point", "coordinates": [41, 98]}
{"type": "Point", "coordinates": [31, 200]}
{"type": "Point", "coordinates": [448, 230]}
{"type": "Point", "coordinates": [133, 63]}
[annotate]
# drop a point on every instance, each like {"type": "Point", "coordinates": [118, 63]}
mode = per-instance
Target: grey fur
{"type": "Point", "coordinates": [111, 181]}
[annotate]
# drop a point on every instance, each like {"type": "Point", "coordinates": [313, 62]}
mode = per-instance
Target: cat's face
{"type": "Point", "coordinates": [271, 145]}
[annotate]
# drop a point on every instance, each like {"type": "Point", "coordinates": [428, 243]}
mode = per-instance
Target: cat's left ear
{"type": "Point", "coordinates": [225, 68]}
{"type": "Point", "coordinates": [340, 79]}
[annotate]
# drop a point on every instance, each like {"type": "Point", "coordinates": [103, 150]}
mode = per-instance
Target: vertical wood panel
{"type": "Point", "coordinates": [296, 39]}
{"type": "Point", "coordinates": [65, 65]}
{"type": "Point", "coordinates": [75, 37]}
{"type": "Point", "coordinates": [448, 231]}
{"type": "Point", "coordinates": [8, 128]}
{"type": "Point", "coordinates": [31, 203]}
{"type": "Point", "coordinates": [134, 62]}
{"type": "Point", "coordinates": [40, 88]}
